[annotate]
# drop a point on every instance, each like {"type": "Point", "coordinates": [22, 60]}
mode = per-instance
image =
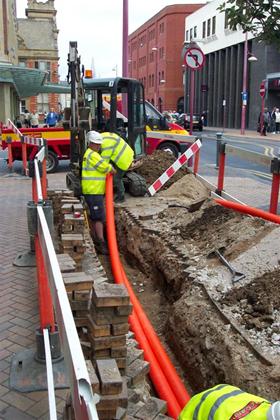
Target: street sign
{"type": "Point", "coordinates": [262, 89]}
{"type": "Point", "coordinates": [194, 58]}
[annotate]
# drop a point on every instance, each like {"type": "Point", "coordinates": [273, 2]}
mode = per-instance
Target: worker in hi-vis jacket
{"type": "Point", "coordinates": [227, 402]}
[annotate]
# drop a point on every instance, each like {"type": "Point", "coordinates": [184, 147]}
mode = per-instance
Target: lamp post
{"type": "Point", "coordinates": [246, 57]}
{"type": "Point", "coordinates": [155, 49]}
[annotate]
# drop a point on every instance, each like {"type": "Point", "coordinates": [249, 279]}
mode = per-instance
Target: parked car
{"type": "Point", "coordinates": [184, 121]}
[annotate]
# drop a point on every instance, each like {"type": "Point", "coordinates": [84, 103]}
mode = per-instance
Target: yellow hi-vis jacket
{"type": "Point", "coordinates": [94, 171]}
{"type": "Point", "coordinates": [117, 150]}
{"type": "Point", "coordinates": [225, 402]}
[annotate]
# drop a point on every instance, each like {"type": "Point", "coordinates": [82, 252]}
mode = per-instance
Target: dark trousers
{"type": "Point", "coordinates": [118, 183]}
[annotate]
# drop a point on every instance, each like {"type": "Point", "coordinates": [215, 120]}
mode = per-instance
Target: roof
{"type": "Point", "coordinates": [27, 82]}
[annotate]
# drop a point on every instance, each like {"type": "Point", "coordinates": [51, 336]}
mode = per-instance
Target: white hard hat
{"type": "Point", "coordinates": [274, 411]}
{"type": "Point", "coordinates": [94, 137]}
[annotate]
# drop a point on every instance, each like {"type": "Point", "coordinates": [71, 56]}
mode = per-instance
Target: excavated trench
{"type": "Point", "coordinates": [218, 331]}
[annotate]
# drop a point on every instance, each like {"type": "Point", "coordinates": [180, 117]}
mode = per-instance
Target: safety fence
{"type": "Point", "coordinates": [54, 307]}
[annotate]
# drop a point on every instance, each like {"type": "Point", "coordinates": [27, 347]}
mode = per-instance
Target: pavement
{"type": "Point", "coordinates": [232, 132]}
{"type": "Point", "coordinates": [18, 302]}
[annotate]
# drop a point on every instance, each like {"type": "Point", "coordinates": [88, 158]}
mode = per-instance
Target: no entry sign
{"type": "Point", "coordinates": [262, 89]}
{"type": "Point", "coordinates": [194, 58]}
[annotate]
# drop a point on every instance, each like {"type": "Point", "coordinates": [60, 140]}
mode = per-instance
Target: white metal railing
{"type": "Point", "coordinates": [83, 399]}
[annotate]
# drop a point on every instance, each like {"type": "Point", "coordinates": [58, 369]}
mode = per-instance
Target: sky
{"type": "Point", "coordinates": [97, 27]}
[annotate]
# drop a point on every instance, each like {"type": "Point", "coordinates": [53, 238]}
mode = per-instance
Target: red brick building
{"type": "Point", "coordinates": [154, 52]}
{"type": "Point", "coordinates": [37, 48]}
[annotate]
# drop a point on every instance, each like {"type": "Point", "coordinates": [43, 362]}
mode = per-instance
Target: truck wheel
{"type": "Point", "coordinates": [52, 162]}
{"type": "Point", "coordinates": [170, 148]}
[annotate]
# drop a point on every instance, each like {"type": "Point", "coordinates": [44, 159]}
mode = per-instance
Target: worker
{"type": "Point", "coordinates": [116, 150]}
{"type": "Point", "coordinates": [94, 171]}
{"type": "Point", "coordinates": [227, 402]}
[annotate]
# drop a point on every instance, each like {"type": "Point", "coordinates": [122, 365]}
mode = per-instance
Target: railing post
{"type": "Point", "coordinates": [275, 170]}
{"type": "Point", "coordinates": [221, 166]}
{"type": "Point", "coordinates": [44, 172]}
{"type": "Point", "coordinates": [24, 154]}
{"type": "Point", "coordinates": [218, 142]}
{"type": "Point", "coordinates": [196, 162]}
{"type": "Point", "coordinates": [10, 153]}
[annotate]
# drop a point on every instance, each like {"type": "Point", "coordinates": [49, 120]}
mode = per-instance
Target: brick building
{"type": "Point", "coordinates": [38, 49]}
{"type": "Point", "coordinates": [154, 52]}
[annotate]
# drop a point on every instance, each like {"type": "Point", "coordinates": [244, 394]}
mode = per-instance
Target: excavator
{"type": "Point", "coordinates": [87, 112]}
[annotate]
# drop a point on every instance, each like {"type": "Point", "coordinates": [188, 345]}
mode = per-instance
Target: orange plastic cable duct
{"type": "Point", "coordinates": [242, 208]}
{"type": "Point", "coordinates": [169, 371]}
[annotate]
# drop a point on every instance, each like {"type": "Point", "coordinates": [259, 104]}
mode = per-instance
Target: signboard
{"type": "Point", "coordinates": [262, 89]}
{"type": "Point", "coordinates": [194, 58]}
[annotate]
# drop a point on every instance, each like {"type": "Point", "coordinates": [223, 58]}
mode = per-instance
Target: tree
{"type": "Point", "coordinates": [261, 17]}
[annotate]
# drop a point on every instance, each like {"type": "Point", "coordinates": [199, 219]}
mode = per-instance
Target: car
{"type": "Point", "coordinates": [184, 121]}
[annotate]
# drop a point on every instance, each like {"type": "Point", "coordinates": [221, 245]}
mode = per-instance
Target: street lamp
{"type": "Point", "coordinates": [155, 49]}
{"type": "Point", "coordinates": [251, 58]}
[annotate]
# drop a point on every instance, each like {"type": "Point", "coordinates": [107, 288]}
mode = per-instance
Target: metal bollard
{"type": "Point", "coordinates": [218, 142]}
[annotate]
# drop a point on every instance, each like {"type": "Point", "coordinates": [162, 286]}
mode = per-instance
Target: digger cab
{"type": "Point", "coordinates": [117, 105]}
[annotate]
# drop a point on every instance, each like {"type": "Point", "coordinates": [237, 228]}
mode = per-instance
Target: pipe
{"type": "Point", "coordinates": [249, 210]}
{"type": "Point", "coordinates": [171, 375]}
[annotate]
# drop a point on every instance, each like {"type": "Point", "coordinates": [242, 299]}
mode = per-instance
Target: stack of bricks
{"type": "Point", "coordinates": [108, 323]}
{"type": "Point", "coordinates": [58, 197]}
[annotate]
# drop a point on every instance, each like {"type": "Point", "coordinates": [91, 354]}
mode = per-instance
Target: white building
{"type": "Point", "coordinates": [220, 83]}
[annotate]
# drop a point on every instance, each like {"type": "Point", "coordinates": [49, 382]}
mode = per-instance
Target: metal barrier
{"type": "Point", "coordinates": [84, 402]}
{"type": "Point", "coordinates": [273, 164]}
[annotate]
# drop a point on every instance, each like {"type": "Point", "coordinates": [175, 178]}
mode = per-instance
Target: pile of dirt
{"type": "Point", "coordinates": [155, 164]}
{"type": "Point", "coordinates": [188, 188]}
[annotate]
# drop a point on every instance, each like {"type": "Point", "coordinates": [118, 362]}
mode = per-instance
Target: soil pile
{"type": "Point", "coordinates": [188, 188]}
{"type": "Point", "coordinates": [155, 164]}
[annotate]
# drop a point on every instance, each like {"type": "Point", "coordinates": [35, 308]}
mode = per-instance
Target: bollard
{"type": "Point", "coordinates": [275, 170]}
{"type": "Point", "coordinates": [218, 142]}
{"type": "Point", "coordinates": [221, 174]}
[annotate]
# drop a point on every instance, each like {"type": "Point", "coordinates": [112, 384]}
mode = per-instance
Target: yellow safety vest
{"type": "Point", "coordinates": [94, 170]}
{"type": "Point", "coordinates": [114, 148]}
{"type": "Point", "coordinates": [225, 402]}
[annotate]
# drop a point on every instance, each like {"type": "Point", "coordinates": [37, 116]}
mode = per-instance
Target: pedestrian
{"type": "Point", "coordinates": [18, 122]}
{"type": "Point", "coordinates": [277, 121]}
{"type": "Point", "coordinates": [273, 122]}
{"type": "Point", "coordinates": [34, 120]}
{"type": "Point", "coordinates": [94, 171]}
{"type": "Point", "coordinates": [115, 149]}
{"type": "Point", "coordinates": [26, 118]}
{"type": "Point", "coordinates": [227, 402]}
{"type": "Point", "coordinates": [264, 122]}
{"type": "Point", "coordinates": [52, 118]}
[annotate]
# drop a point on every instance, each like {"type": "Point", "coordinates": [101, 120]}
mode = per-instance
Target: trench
{"type": "Point", "coordinates": [214, 332]}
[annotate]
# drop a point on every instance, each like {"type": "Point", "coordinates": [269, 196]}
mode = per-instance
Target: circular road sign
{"type": "Point", "coordinates": [194, 58]}
{"type": "Point", "coordinates": [262, 89]}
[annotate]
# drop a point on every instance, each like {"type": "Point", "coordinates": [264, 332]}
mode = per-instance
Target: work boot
{"type": "Point", "coordinates": [101, 247]}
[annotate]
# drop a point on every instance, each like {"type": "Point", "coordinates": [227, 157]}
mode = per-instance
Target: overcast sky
{"type": "Point", "coordinates": [97, 27]}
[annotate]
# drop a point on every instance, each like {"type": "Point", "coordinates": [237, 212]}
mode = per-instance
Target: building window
{"type": "Point", "coordinates": [226, 19]}
{"type": "Point", "coordinates": [208, 27]}
{"type": "Point", "coordinates": [213, 25]}
{"type": "Point", "coordinates": [161, 52]}
{"type": "Point", "coordinates": [44, 66]}
{"type": "Point", "coordinates": [161, 28]}
{"type": "Point", "coordinates": [187, 36]}
{"type": "Point", "coordinates": [195, 32]}
{"type": "Point", "coordinates": [22, 106]}
{"type": "Point", "coordinates": [204, 30]}
{"type": "Point", "coordinates": [153, 80]}
{"type": "Point", "coordinates": [43, 102]}
{"type": "Point", "coordinates": [150, 81]}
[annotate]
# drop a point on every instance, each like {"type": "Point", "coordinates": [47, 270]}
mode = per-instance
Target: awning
{"type": "Point", "coordinates": [30, 82]}
{"type": "Point", "coordinates": [27, 82]}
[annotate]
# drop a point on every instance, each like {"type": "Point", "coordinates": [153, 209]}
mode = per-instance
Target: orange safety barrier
{"type": "Point", "coordinates": [24, 155]}
{"type": "Point", "coordinates": [169, 372]}
{"type": "Point", "coordinates": [274, 193]}
{"type": "Point", "coordinates": [10, 154]}
{"type": "Point", "coordinates": [196, 162]}
{"type": "Point", "coordinates": [242, 208]}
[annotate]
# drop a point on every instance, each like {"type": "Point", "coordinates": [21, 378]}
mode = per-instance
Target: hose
{"type": "Point", "coordinates": [242, 208]}
{"type": "Point", "coordinates": [151, 344]}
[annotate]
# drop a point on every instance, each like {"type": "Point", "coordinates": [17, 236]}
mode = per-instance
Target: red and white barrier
{"type": "Point", "coordinates": [156, 186]}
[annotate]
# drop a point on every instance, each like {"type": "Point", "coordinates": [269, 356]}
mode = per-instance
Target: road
{"type": "Point", "coordinates": [249, 182]}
